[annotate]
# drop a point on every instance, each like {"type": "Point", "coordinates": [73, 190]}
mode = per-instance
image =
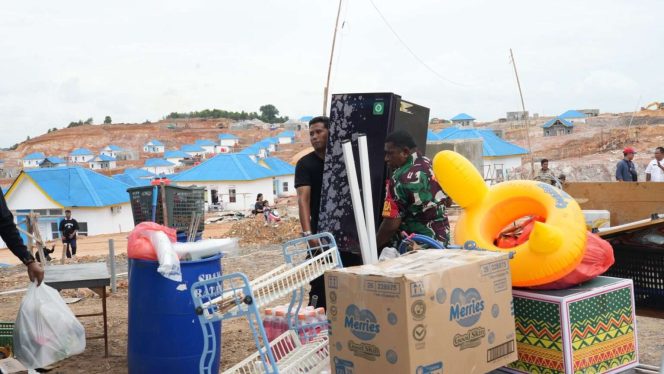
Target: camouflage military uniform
{"type": "Point", "coordinates": [414, 195]}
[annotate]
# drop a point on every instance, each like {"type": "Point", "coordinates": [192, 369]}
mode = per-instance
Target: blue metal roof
{"type": "Point", "coordinates": [563, 122]}
{"type": "Point", "coordinates": [225, 167]}
{"type": "Point", "coordinates": [462, 117]}
{"type": "Point", "coordinates": [139, 173]}
{"type": "Point", "coordinates": [191, 148]}
{"type": "Point", "coordinates": [306, 118]}
{"type": "Point", "coordinates": [176, 154]}
{"type": "Point", "coordinates": [55, 160]}
{"type": "Point", "coordinates": [263, 144]}
{"type": "Point", "coordinates": [131, 180]}
{"type": "Point", "coordinates": [35, 156]}
{"type": "Point", "coordinates": [572, 114]}
{"type": "Point", "coordinates": [74, 186]}
{"type": "Point", "coordinates": [81, 152]}
{"type": "Point", "coordinates": [152, 162]}
{"type": "Point", "coordinates": [112, 147]}
{"type": "Point", "coordinates": [278, 166]}
{"type": "Point", "coordinates": [431, 136]}
{"type": "Point", "coordinates": [227, 136]}
{"type": "Point", "coordinates": [492, 145]}
{"type": "Point", "coordinates": [253, 149]}
{"type": "Point", "coordinates": [156, 143]}
{"type": "Point", "coordinates": [286, 134]}
{"type": "Point", "coordinates": [205, 143]}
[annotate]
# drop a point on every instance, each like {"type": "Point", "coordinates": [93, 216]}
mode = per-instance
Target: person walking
{"type": "Point", "coordinates": [68, 231]}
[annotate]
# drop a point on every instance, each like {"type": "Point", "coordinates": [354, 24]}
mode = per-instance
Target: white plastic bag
{"type": "Point", "coordinates": [46, 330]}
{"type": "Point", "coordinates": [169, 263]}
{"type": "Point", "coordinates": [388, 253]}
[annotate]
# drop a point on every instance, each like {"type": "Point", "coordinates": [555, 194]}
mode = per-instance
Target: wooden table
{"type": "Point", "coordinates": [94, 276]}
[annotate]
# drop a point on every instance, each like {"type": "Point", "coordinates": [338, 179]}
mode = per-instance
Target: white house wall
{"type": "Point", "coordinates": [246, 192]}
{"type": "Point", "coordinates": [105, 220]}
{"type": "Point", "coordinates": [31, 163]}
{"type": "Point", "coordinates": [109, 153]}
{"type": "Point", "coordinates": [508, 164]}
{"type": "Point", "coordinates": [285, 140]}
{"type": "Point", "coordinates": [290, 180]}
{"type": "Point", "coordinates": [27, 196]}
{"type": "Point", "coordinates": [81, 159]}
{"type": "Point", "coordinates": [228, 142]}
{"type": "Point", "coordinates": [159, 169]}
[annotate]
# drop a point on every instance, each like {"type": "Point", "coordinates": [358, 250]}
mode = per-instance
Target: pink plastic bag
{"type": "Point", "coordinates": [597, 259]}
{"type": "Point", "coordinates": [139, 245]}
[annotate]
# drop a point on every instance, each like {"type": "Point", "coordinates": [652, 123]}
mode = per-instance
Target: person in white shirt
{"type": "Point", "coordinates": [655, 169]}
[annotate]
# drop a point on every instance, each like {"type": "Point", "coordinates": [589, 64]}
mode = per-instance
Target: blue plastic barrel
{"type": "Point", "coordinates": [165, 335]}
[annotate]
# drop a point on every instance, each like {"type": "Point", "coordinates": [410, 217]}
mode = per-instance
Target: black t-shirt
{"type": "Point", "coordinates": [68, 226]}
{"type": "Point", "coordinates": [309, 172]}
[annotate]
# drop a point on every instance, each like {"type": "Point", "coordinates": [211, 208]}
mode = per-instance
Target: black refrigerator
{"type": "Point", "coordinates": [376, 115]}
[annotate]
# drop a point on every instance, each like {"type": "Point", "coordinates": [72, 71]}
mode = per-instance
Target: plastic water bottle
{"type": "Point", "coordinates": [279, 324]}
{"type": "Point", "coordinates": [303, 332]}
{"type": "Point", "coordinates": [321, 317]}
{"type": "Point", "coordinates": [268, 322]}
{"type": "Point", "coordinates": [312, 330]}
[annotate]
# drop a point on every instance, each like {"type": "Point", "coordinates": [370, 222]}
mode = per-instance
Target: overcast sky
{"type": "Point", "coordinates": [62, 61]}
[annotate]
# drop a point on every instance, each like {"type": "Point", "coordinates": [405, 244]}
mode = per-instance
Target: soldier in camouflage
{"type": "Point", "coordinates": [414, 202]}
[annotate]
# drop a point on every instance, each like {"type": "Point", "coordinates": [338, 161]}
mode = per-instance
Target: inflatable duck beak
{"type": "Point", "coordinates": [545, 238]}
{"type": "Point", "coordinates": [459, 178]}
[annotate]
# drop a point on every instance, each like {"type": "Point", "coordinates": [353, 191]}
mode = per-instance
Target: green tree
{"type": "Point", "coordinates": [88, 121]}
{"type": "Point", "coordinates": [269, 113]}
{"type": "Point", "coordinates": [108, 120]}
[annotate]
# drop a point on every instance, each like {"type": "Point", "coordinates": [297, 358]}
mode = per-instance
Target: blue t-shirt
{"type": "Point", "coordinates": [626, 171]}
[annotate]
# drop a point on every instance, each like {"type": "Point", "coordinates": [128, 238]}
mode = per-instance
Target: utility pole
{"type": "Point", "coordinates": [523, 108]}
{"type": "Point", "coordinates": [329, 68]}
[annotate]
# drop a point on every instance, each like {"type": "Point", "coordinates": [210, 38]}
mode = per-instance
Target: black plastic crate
{"type": "Point", "coordinates": [645, 266]}
{"type": "Point", "coordinates": [6, 338]}
{"type": "Point", "coordinates": [181, 204]}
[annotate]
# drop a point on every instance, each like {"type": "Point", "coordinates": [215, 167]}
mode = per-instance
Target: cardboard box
{"type": "Point", "coordinates": [428, 312]}
{"type": "Point", "coordinates": [587, 329]}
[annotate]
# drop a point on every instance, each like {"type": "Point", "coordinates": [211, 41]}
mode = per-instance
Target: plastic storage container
{"type": "Point", "coordinates": [181, 204]}
{"type": "Point", "coordinates": [165, 335]}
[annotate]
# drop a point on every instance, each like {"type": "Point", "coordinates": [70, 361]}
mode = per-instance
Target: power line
{"type": "Point", "coordinates": [403, 43]}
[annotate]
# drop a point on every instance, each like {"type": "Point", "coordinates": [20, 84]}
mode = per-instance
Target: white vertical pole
{"type": "Point", "coordinates": [367, 196]}
{"type": "Point", "coordinates": [349, 160]}
{"type": "Point", "coordinates": [111, 260]}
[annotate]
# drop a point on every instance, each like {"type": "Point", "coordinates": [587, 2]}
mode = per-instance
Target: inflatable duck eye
{"type": "Point", "coordinates": [555, 247]}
